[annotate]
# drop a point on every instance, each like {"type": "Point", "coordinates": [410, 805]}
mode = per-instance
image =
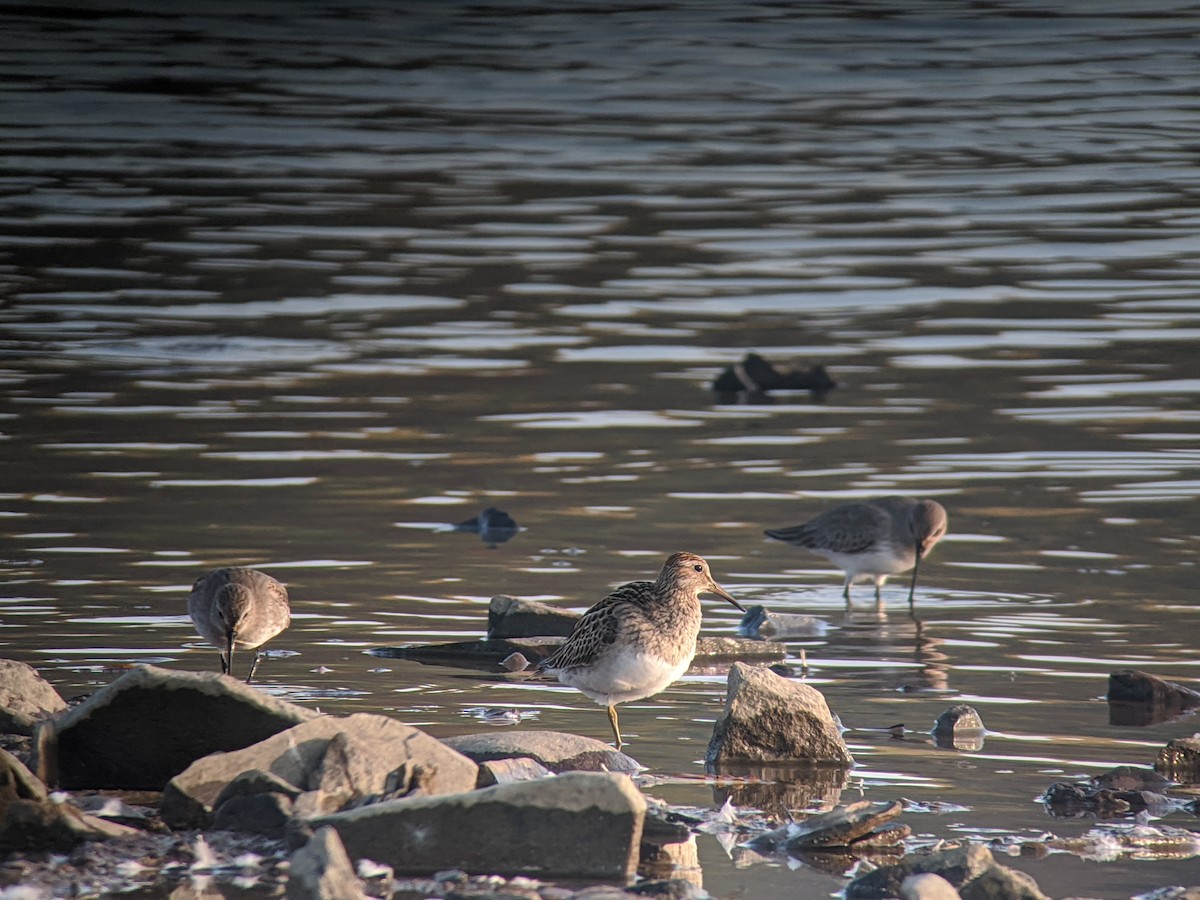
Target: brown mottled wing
{"type": "Point", "coordinates": [852, 528]}
{"type": "Point", "coordinates": [599, 627]}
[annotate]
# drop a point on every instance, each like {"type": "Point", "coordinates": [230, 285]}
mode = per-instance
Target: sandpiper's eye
{"type": "Point", "coordinates": [698, 567]}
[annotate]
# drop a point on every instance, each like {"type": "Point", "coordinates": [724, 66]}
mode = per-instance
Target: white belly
{"type": "Point", "coordinates": [623, 676]}
{"type": "Point", "coordinates": [879, 561]}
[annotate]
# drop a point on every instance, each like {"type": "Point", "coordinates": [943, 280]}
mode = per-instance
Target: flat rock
{"type": "Point", "coordinates": [152, 723]}
{"type": "Point", "coordinates": [1180, 760]}
{"type": "Point", "coordinates": [716, 650]}
{"type": "Point", "coordinates": [321, 870]}
{"type": "Point", "coordinates": [510, 617]}
{"type": "Point", "coordinates": [761, 623]}
{"type": "Point", "coordinates": [556, 750]}
{"type": "Point", "coordinates": [769, 718]}
{"type": "Point", "coordinates": [957, 866]}
{"type": "Point", "coordinates": [1001, 883]}
{"type": "Point", "coordinates": [25, 698]}
{"type": "Point", "coordinates": [843, 826]}
{"type": "Point", "coordinates": [506, 771]}
{"type": "Point", "coordinates": [577, 825]}
{"type": "Point", "coordinates": [389, 756]}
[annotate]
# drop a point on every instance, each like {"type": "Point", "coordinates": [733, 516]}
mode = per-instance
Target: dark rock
{"type": "Point", "coordinates": [669, 889]}
{"type": "Point", "coordinates": [256, 781]}
{"type": "Point", "coordinates": [927, 886]}
{"type": "Point", "coordinates": [39, 826]}
{"type": "Point", "coordinates": [769, 718]}
{"type": "Point", "coordinates": [760, 624]}
{"type": "Point", "coordinates": [1131, 778]}
{"type": "Point", "coordinates": [265, 814]}
{"type": "Point", "coordinates": [388, 756]}
{"type": "Point", "coordinates": [957, 866]}
{"type": "Point", "coordinates": [494, 526]}
{"type": "Point", "coordinates": [25, 698]}
{"type": "Point", "coordinates": [506, 771]}
{"type": "Point", "coordinates": [510, 617]}
{"type": "Point", "coordinates": [1180, 760]}
{"type": "Point", "coordinates": [959, 728]}
{"type": "Point", "coordinates": [152, 723]}
{"type": "Point", "coordinates": [514, 662]}
{"type": "Point", "coordinates": [321, 870]}
{"type": "Point", "coordinates": [557, 751]}
{"type": "Point", "coordinates": [754, 375]}
{"type": "Point", "coordinates": [1001, 883]}
{"type": "Point", "coordinates": [842, 826]}
{"type": "Point", "coordinates": [1122, 791]}
{"type": "Point", "coordinates": [17, 782]}
{"type": "Point", "coordinates": [577, 825]}
{"type": "Point", "coordinates": [112, 809]}
{"type": "Point", "coordinates": [1138, 698]}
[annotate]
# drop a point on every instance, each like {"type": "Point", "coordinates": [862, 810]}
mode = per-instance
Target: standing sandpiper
{"type": "Point", "coordinates": [872, 539]}
{"type": "Point", "coordinates": [234, 607]}
{"type": "Point", "coordinates": [638, 639]}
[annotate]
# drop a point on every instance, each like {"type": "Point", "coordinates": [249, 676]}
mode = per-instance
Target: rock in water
{"type": "Point", "coordinates": [957, 866]}
{"type": "Point", "coordinates": [25, 698]}
{"type": "Point", "coordinates": [555, 750]}
{"type": "Point", "coordinates": [769, 718]}
{"type": "Point", "coordinates": [927, 886]}
{"type": "Point", "coordinates": [511, 617]}
{"type": "Point", "coordinates": [321, 870]}
{"type": "Point", "coordinates": [1180, 760]}
{"type": "Point", "coordinates": [960, 728]}
{"type": "Point", "coordinates": [577, 825]}
{"type": "Point", "coordinates": [152, 723]}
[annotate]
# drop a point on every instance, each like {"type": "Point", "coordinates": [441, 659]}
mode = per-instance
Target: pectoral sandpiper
{"type": "Point", "coordinates": [872, 539]}
{"type": "Point", "coordinates": [238, 608]}
{"type": "Point", "coordinates": [638, 639]}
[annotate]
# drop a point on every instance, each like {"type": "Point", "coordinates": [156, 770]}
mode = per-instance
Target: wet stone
{"type": "Point", "coordinates": [1123, 791]}
{"type": "Point", "coordinates": [1180, 760]}
{"type": "Point", "coordinates": [761, 624]}
{"type": "Point", "coordinates": [1138, 698]}
{"type": "Point", "coordinates": [957, 866]}
{"type": "Point", "coordinates": [555, 750]}
{"type": "Point", "coordinates": [1001, 883]}
{"type": "Point", "coordinates": [960, 728]}
{"type": "Point", "coordinates": [510, 617]}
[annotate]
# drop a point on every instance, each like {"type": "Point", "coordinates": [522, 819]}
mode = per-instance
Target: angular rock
{"type": "Point", "coordinates": [577, 825]}
{"type": "Point", "coordinates": [843, 826]}
{"type": "Point", "coordinates": [17, 782]}
{"type": "Point", "coordinates": [1138, 698]}
{"type": "Point", "coordinates": [256, 781]}
{"type": "Point", "coordinates": [760, 623]}
{"type": "Point", "coordinates": [321, 870]}
{"type": "Point", "coordinates": [957, 866]}
{"type": "Point", "coordinates": [927, 886]}
{"type": "Point", "coordinates": [1001, 883]}
{"type": "Point", "coordinates": [506, 771]}
{"type": "Point", "coordinates": [510, 617]}
{"type": "Point", "coordinates": [389, 756]}
{"type": "Point", "coordinates": [557, 751]}
{"type": "Point", "coordinates": [152, 723]}
{"type": "Point", "coordinates": [25, 698]}
{"type": "Point", "coordinates": [1180, 760]}
{"type": "Point", "coordinates": [959, 728]}
{"type": "Point", "coordinates": [265, 814]}
{"type": "Point", "coordinates": [769, 718]}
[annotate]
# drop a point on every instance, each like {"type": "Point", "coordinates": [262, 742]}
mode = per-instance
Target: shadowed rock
{"type": "Point", "coordinates": [337, 760]}
{"type": "Point", "coordinates": [769, 718]}
{"type": "Point", "coordinates": [959, 728]}
{"type": "Point", "coordinates": [152, 723]}
{"type": "Point", "coordinates": [1180, 760]}
{"type": "Point", "coordinates": [1139, 698]}
{"type": "Point", "coordinates": [839, 828]}
{"type": "Point", "coordinates": [510, 617]}
{"type": "Point", "coordinates": [321, 870]}
{"type": "Point", "coordinates": [577, 825]}
{"type": "Point", "coordinates": [1122, 791]}
{"type": "Point", "coordinates": [25, 698]}
{"type": "Point", "coordinates": [557, 751]}
{"type": "Point", "coordinates": [1001, 883]}
{"type": "Point", "coordinates": [957, 866]}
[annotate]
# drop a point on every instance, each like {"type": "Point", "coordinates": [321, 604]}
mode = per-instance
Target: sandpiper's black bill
{"type": "Point", "coordinates": [724, 595]}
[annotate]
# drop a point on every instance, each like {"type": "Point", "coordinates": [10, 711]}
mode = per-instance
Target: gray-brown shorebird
{"type": "Point", "coordinates": [235, 608]}
{"type": "Point", "coordinates": [638, 639]}
{"type": "Point", "coordinates": [872, 539]}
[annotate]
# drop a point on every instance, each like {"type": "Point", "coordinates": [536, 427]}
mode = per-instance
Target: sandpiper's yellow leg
{"type": "Point", "coordinates": [612, 720]}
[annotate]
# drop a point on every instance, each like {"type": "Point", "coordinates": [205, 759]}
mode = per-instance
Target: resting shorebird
{"type": "Point", "coordinates": [238, 608]}
{"type": "Point", "coordinates": [638, 639]}
{"type": "Point", "coordinates": [872, 539]}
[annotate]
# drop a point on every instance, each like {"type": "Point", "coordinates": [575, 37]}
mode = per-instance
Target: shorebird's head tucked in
{"type": "Point", "coordinates": [928, 525]}
{"type": "Point", "coordinates": [688, 573]}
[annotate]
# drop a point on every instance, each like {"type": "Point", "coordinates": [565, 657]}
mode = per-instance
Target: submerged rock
{"type": "Point", "coordinates": [555, 750]}
{"type": "Point", "coordinates": [760, 623]}
{"type": "Point", "coordinates": [957, 866]}
{"type": "Point", "coordinates": [959, 728]}
{"type": "Point", "coordinates": [840, 828]}
{"type": "Point", "coordinates": [755, 376]}
{"type": "Point", "coordinates": [338, 760]}
{"type": "Point", "coordinates": [152, 723]}
{"type": "Point", "coordinates": [780, 787]}
{"type": "Point", "coordinates": [577, 825]}
{"type": "Point", "coordinates": [1122, 791]}
{"type": "Point", "coordinates": [769, 718]}
{"type": "Point", "coordinates": [510, 617]}
{"type": "Point", "coordinates": [25, 698]}
{"type": "Point", "coordinates": [1180, 760]}
{"type": "Point", "coordinates": [321, 870]}
{"type": "Point", "coordinates": [1139, 698]}
{"type": "Point", "coordinates": [494, 526]}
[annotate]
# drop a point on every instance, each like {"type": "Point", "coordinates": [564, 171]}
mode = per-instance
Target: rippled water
{"type": "Point", "coordinates": [302, 287]}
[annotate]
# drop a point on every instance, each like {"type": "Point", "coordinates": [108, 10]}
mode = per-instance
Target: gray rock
{"type": "Point", "coordinates": [769, 718]}
{"type": "Point", "coordinates": [321, 870]}
{"type": "Point", "coordinates": [506, 771]}
{"type": "Point", "coordinates": [761, 623]}
{"type": "Point", "coordinates": [557, 751]}
{"type": "Point", "coordinates": [152, 723]}
{"type": "Point", "coordinates": [957, 866]}
{"type": "Point", "coordinates": [25, 698]}
{"type": "Point", "coordinates": [577, 825]}
{"type": "Point", "coordinates": [387, 753]}
{"type": "Point", "coordinates": [265, 814]}
{"type": "Point", "coordinates": [960, 728]}
{"type": "Point", "coordinates": [511, 617]}
{"type": "Point", "coordinates": [1180, 760]}
{"type": "Point", "coordinates": [1001, 883]}
{"type": "Point", "coordinates": [927, 886]}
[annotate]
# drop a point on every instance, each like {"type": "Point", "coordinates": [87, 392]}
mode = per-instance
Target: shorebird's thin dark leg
{"type": "Point", "coordinates": [846, 591]}
{"type": "Point", "coordinates": [254, 664]}
{"type": "Point", "coordinates": [913, 585]}
{"type": "Point", "coordinates": [612, 720]}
